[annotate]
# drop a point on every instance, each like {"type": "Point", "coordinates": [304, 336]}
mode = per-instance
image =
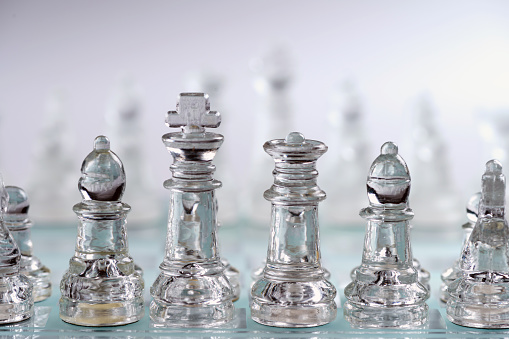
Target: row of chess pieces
{"type": "Point", "coordinates": [196, 288]}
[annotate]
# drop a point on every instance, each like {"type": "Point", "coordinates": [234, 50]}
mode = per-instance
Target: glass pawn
{"type": "Point", "coordinates": [192, 289]}
{"type": "Point", "coordinates": [480, 297]}
{"type": "Point", "coordinates": [16, 298]}
{"type": "Point", "coordinates": [101, 286]}
{"type": "Point", "coordinates": [386, 292]}
{"type": "Point", "coordinates": [17, 221]}
{"type": "Point", "coordinates": [454, 272]}
{"type": "Point", "coordinates": [293, 291]}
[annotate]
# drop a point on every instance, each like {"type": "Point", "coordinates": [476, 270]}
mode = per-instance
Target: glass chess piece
{"type": "Point", "coordinates": [434, 198]}
{"type": "Point", "coordinates": [101, 286]}
{"type": "Point", "coordinates": [274, 76]}
{"type": "Point", "coordinates": [386, 292]}
{"type": "Point", "coordinates": [480, 298]}
{"type": "Point", "coordinates": [51, 186]}
{"type": "Point", "coordinates": [228, 214]}
{"type": "Point", "coordinates": [293, 291]}
{"type": "Point", "coordinates": [124, 120]}
{"type": "Point", "coordinates": [257, 273]}
{"type": "Point", "coordinates": [16, 298]}
{"type": "Point", "coordinates": [192, 289]}
{"type": "Point", "coordinates": [454, 272]}
{"type": "Point", "coordinates": [17, 221]}
{"type": "Point", "coordinates": [348, 141]}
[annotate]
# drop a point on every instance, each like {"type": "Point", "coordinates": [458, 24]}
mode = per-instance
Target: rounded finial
{"type": "Point", "coordinates": [18, 200]}
{"type": "Point", "coordinates": [102, 173]}
{"type": "Point", "coordinates": [389, 148]}
{"type": "Point", "coordinates": [101, 143]}
{"type": "Point", "coordinates": [493, 166]}
{"type": "Point", "coordinates": [295, 138]}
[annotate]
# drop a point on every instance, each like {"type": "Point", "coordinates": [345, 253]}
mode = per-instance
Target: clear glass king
{"type": "Point", "coordinates": [480, 297]}
{"type": "Point", "coordinates": [192, 289]}
{"type": "Point", "coordinates": [293, 291]}
{"type": "Point", "coordinates": [386, 292]}
{"type": "Point", "coordinates": [17, 221]}
{"type": "Point", "coordinates": [101, 286]}
{"type": "Point", "coordinates": [454, 272]}
{"type": "Point", "coordinates": [16, 298]}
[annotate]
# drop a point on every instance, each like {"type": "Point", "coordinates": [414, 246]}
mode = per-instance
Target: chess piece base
{"type": "Point", "coordinates": [479, 304]}
{"type": "Point", "coordinates": [233, 276]}
{"type": "Point", "coordinates": [101, 314]}
{"type": "Point", "coordinates": [293, 304]}
{"type": "Point", "coordinates": [189, 300]}
{"type": "Point", "coordinates": [383, 316]}
{"type": "Point", "coordinates": [17, 301]}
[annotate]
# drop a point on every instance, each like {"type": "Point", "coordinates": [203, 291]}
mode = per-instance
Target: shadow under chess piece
{"type": "Point", "coordinates": [386, 292]}
{"type": "Point", "coordinates": [101, 286]}
{"type": "Point", "coordinates": [16, 298]}
{"type": "Point", "coordinates": [293, 291]}
{"type": "Point", "coordinates": [480, 297]}
{"type": "Point", "coordinates": [454, 272]}
{"type": "Point", "coordinates": [192, 289]}
{"type": "Point", "coordinates": [17, 221]}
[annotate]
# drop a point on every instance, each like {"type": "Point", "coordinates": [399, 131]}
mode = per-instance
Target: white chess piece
{"type": "Point", "coordinates": [344, 173]}
{"type": "Point", "coordinates": [125, 129]}
{"type": "Point", "coordinates": [274, 75]}
{"type": "Point", "coordinates": [434, 197]}
{"type": "Point", "coordinates": [51, 185]}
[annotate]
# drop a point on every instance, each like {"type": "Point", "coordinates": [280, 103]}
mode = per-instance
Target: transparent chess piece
{"type": "Point", "coordinates": [51, 186]}
{"type": "Point", "coordinates": [274, 76]}
{"type": "Point", "coordinates": [293, 291]}
{"type": "Point", "coordinates": [17, 221]}
{"type": "Point", "coordinates": [16, 298]}
{"type": "Point", "coordinates": [257, 273]}
{"type": "Point", "coordinates": [348, 141]}
{"type": "Point", "coordinates": [454, 272]}
{"type": "Point", "coordinates": [192, 289]}
{"type": "Point", "coordinates": [101, 286]}
{"type": "Point", "coordinates": [228, 196]}
{"type": "Point", "coordinates": [124, 119]}
{"type": "Point", "coordinates": [434, 198]}
{"type": "Point", "coordinates": [386, 292]}
{"type": "Point", "coordinates": [480, 297]}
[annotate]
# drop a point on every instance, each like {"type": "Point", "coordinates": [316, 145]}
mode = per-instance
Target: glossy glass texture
{"type": "Point", "coordinates": [17, 221]}
{"type": "Point", "coordinates": [386, 292]}
{"type": "Point", "coordinates": [454, 272]}
{"type": "Point", "coordinates": [101, 286]}
{"type": "Point", "coordinates": [192, 289]}
{"type": "Point", "coordinates": [16, 298]}
{"type": "Point", "coordinates": [480, 297]}
{"type": "Point", "coordinates": [293, 290]}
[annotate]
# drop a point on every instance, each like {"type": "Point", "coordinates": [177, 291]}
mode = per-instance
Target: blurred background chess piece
{"type": "Point", "coordinates": [124, 120]}
{"type": "Point", "coordinates": [51, 184]}
{"type": "Point", "coordinates": [344, 170]}
{"type": "Point", "coordinates": [434, 197]}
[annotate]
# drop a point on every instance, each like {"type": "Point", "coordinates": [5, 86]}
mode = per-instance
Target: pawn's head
{"type": "Point", "coordinates": [18, 201]}
{"type": "Point", "coordinates": [4, 197]}
{"type": "Point", "coordinates": [388, 181]}
{"type": "Point", "coordinates": [102, 173]}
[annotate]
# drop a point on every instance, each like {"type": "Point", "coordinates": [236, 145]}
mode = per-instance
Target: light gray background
{"type": "Point", "coordinates": [456, 50]}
